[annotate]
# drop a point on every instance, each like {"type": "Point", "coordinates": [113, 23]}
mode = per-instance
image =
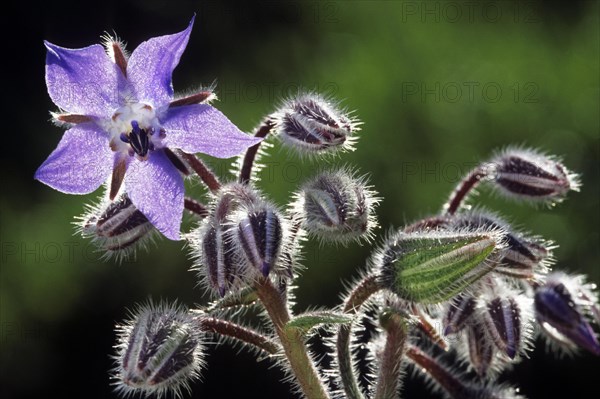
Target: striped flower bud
{"type": "Point", "coordinates": [217, 257]}
{"type": "Point", "coordinates": [524, 257]}
{"type": "Point", "coordinates": [259, 235]}
{"type": "Point", "coordinates": [481, 349]}
{"type": "Point", "coordinates": [158, 350]}
{"type": "Point", "coordinates": [503, 322]}
{"type": "Point", "coordinates": [562, 306]}
{"type": "Point", "coordinates": [530, 175]}
{"type": "Point", "coordinates": [458, 311]}
{"type": "Point", "coordinates": [310, 124]}
{"type": "Point", "coordinates": [337, 207]}
{"type": "Point", "coordinates": [430, 267]}
{"type": "Point", "coordinates": [116, 227]}
{"type": "Point", "coordinates": [244, 236]}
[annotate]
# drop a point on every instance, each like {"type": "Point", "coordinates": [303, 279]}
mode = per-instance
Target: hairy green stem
{"type": "Point", "coordinates": [365, 288]}
{"type": "Point", "coordinates": [388, 379]}
{"type": "Point", "coordinates": [292, 341]}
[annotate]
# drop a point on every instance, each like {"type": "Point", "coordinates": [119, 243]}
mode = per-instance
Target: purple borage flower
{"type": "Point", "coordinates": [123, 119]}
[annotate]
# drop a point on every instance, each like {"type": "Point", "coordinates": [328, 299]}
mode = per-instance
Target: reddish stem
{"type": "Point", "coordinates": [248, 162]}
{"type": "Point", "coordinates": [463, 189]}
{"type": "Point", "coordinates": [207, 176]}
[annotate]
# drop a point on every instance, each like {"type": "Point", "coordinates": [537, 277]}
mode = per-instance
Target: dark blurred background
{"type": "Point", "coordinates": [439, 85]}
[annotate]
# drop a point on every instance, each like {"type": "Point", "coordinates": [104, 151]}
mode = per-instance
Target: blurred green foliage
{"type": "Point", "coordinates": [439, 86]}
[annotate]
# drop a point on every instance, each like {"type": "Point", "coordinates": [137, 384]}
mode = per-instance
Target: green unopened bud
{"type": "Point", "coordinates": [431, 267]}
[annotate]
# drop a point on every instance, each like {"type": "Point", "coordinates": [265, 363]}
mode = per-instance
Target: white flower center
{"type": "Point", "coordinates": [134, 129]}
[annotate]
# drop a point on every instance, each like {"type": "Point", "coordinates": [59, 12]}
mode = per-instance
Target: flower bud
{"type": "Point", "coordinates": [242, 236]}
{"type": "Point", "coordinates": [530, 175]}
{"type": "Point", "coordinates": [158, 350]}
{"type": "Point", "coordinates": [458, 311]}
{"type": "Point", "coordinates": [524, 257]}
{"type": "Point", "coordinates": [310, 124]}
{"type": "Point", "coordinates": [116, 227]}
{"type": "Point", "coordinates": [338, 207]}
{"type": "Point", "coordinates": [481, 349]}
{"type": "Point", "coordinates": [431, 267]}
{"type": "Point", "coordinates": [502, 319]}
{"type": "Point", "coordinates": [217, 257]}
{"type": "Point", "coordinates": [559, 308]}
{"type": "Point", "coordinates": [259, 233]}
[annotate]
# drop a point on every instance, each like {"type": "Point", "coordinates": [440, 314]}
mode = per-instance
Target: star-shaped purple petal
{"type": "Point", "coordinates": [81, 162]}
{"type": "Point", "coordinates": [152, 63]}
{"type": "Point", "coordinates": [202, 128]}
{"type": "Point", "coordinates": [83, 81]}
{"type": "Point", "coordinates": [156, 189]}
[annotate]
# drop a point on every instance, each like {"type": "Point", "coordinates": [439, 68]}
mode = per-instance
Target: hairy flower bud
{"type": "Point", "coordinates": [431, 267]}
{"type": "Point", "coordinates": [503, 322]}
{"type": "Point", "coordinates": [337, 207]}
{"type": "Point", "coordinates": [560, 308]}
{"type": "Point", "coordinates": [310, 124]}
{"type": "Point", "coordinates": [158, 350]}
{"type": "Point", "coordinates": [481, 349]}
{"type": "Point", "coordinates": [524, 257]}
{"type": "Point", "coordinates": [458, 311]}
{"type": "Point", "coordinates": [530, 175]}
{"type": "Point", "coordinates": [259, 233]}
{"type": "Point", "coordinates": [243, 235]}
{"type": "Point", "coordinates": [116, 227]}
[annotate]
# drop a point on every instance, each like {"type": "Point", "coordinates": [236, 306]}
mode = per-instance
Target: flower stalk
{"type": "Point", "coordinates": [291, 340]}
{"type": "Point", "coordinates": [388, 380]}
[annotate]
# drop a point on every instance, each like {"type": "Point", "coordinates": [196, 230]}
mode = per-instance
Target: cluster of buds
{"type": "Point", "coordinates": [244, 237]}
{"type": "Point", "coordinates": [494, 283]}
{"type": "Point", "coordinates": [467, 271]}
